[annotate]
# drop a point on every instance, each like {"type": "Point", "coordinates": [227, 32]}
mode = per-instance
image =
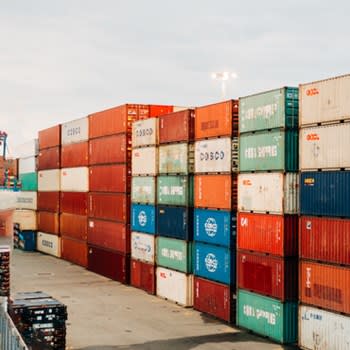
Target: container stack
{"type": "Point", "coordinates": [215, 201]}
{"type": "Point", "coordinates": [267, 222]}
{"type": "Point", "coordinates": [324, 237]}
{"type": "Point", "coordinates": [27, 165]}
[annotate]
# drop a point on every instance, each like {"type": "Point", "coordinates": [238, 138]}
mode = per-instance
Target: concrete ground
{"type": "Point", "coordinates": [103, 314]}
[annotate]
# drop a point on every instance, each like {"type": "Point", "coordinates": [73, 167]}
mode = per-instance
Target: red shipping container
{"type": "Point", "coordinates": [75, 155]}
{"type": "Point", "coordinates": [48, 222]}
{"type": "Point", "coordinates": [219, 119]}
{"type": "Point", "coordinates": [49, 201]}
{"type": "Point", "coordinates": [110, 178]}
{"type": "Point", "coordinates": [50, 137]}
{"type": "Point", "coordinates": [110, 235]}
{"type": "Point", "coordinates": [74, 251]}
{"type": "Point", "coordinates": [269, 275]}
{"type": "Point", "coordinates": [74, 203]}
{"type": "Point", "coordinates": [143, 276]}
{"type": "Point", "coordinates": [214, 298]}
{"type": "Point", "coordinates": [74, 226]}
{"type": "Point", "coordinates": [265, 233]}
{"type": "Point", "coordinates": [325, 239]}
{"type": "Point", "coordinates": [326, 286]}
{"type": "Point", "coordinates": [110, 149]}
{"type": "Point", "coordinates": [158, 110]}
{"type": "Point", "coordinates": [110, 206]}
{"type": "Point", "coordinates": [49, 158]}
{"type": "Point", "coordinates": [177, 127]}
{"type": "Point", "coordinates": [113, 265]}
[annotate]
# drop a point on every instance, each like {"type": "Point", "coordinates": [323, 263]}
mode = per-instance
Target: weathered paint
{"type": "Point", "coordinates": [75, 179]}
{"type": "Point", "coordinates": [175, 190]}
{"type": "Point", "coordinates": [143, 189]}
{"type": "Point", "coordinates": [26, 200]}
{"type": "Point", "coordinates": [176, 158]}
{"type": "Point", "coordinates": [49, 180]}
{"type": "Point", "coordinates": [145, 161]}
{"type": "Point", "coordinates": [143, 218]}
{"type": "Point", "coordinates": [143, 247]}
{"type": "Point", "coordinates": [75, 131]}
{"type": "Point", "coordinates": [145, 132]}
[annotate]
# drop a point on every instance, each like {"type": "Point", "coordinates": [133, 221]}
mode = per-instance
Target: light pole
{"type": "Point", "coordinates": [224, 78]}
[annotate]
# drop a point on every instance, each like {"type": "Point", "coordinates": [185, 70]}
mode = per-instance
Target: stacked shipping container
{"type": "Point", "coordinates": [267, 222]}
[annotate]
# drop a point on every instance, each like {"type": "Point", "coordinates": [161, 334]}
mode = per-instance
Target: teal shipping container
{"type": "Point", "coordinates": [143, 189]}
{"type": "Point", "coordinates": [175, 190]}
{"type": "Point", "coordinates": [269, 110]}
{"type": "Point", "coordinates": [175, 254]}
{"type": "Point", "coordinates": [275, 150]}
{"type": "Point", "coordinates": [268, 317]}
{"type": "Point", "coordinates": [29, 181]}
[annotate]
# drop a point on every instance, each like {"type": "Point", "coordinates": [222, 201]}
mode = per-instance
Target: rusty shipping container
{"type": "Point", "coordinates": [75, 155]}
{"type": "Point", "coordinates": [74, 203]}
{"type": "Point", "coordinates": [268, 275]}
{"type": "Point", "coordinates": [268, 233]}
{"type": "Point", "coordinates": [74, 226]}
{"type": "Point", "coordinates": [74, 251]}
{"type": "Point", "coordinates": [49, 158]}
{"type": "Point", "coordinates": [48, 222]}
{"type": "Point", "coordinates": [145, 133]}
{"type": "Point", "coordinates": [49, 201]}
{"type": "Point", "coordinates": [50, 137]}
{"type": "Point", "coordinates": [143, 276]}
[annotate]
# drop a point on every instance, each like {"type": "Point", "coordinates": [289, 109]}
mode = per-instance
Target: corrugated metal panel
{"type": "Point", "coordinates": [26, 200]}
{"type": "Point", "coordinates": [175, 190]}
{"type": "Point", "coordinates": [143, 276]}
{"type": "Point", "coordinates": [75, 154]}
{"type": "Point", "coordinates": [325, 193]}
{"type": "Point", "coordinates": [75, 131]}
{"type": "Point", "coordinates": [268, 317]}
{"type": "Point", "coordinates": [74, 226]}
{"type": "Point", "coordinates": [49, 180]}
{"type": "Point", "coordinates": [29, 182]}
{"type": "Point", "coordinates": [74, 203]}
{"type": "Point", "coordinates": [49, 201]}
{"type": "Point", "coordinates": [49, 158]}
{"type": "Point", "coordinates": [74, 251]}
{"type": "Point", "coordinates": [26, 219]}
{"type": "Point", "coordinates": [158, 110]}
{"type": "Point", "coordinates": [48, 222]}
{"type": "Point", "coordinates": [75, 179]}
{"type": "Point", "coordinates": [48, 244]}
{"type": "Point", "coordinates": [145, 132]}
{"type": "Point", "coordinates": [50, 137]}
{"type": "Point", "coordinates": [143, 218]}
{"type": "Point", "coordinates": [176, 159]}
{"type": "Point", "coordinates": [143, 189]}
{"type": "Point", "coordinates": [27, 165]}
{"type": "Point", "coordinates": [276, 193]}
{"type": "Point", "coordinates": [143, 247]}
{"type": "Point", "coordinates": [145, 161]}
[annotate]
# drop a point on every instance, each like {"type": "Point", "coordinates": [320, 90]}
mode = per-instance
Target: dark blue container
{"type": "Point", "coordinates": [214, 263]}
{"type": "Point", "coordinates": [175, 222]}
{"type": "Point", "coordinates": [25, 240]}
{"type": "Point", "coordinates": [143, 218]}
{"type": "Point", "coordinates": [215, 227]}
{"type": "Point", "coordinates": [325, 193]}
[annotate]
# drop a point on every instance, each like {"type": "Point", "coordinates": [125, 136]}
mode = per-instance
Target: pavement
{"type": "Point", "coordinates": [106, 315]}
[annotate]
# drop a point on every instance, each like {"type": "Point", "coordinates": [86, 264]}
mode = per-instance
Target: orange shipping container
{"type": "Point", "coordinates": [48, 222]}
{"type": "Point", "coordinates": [74, 251]}
{"type": "Point", "coordinates": [73, 226]}
{"type": "Point", "coordinates": [158, 110]}
{"type": "Point", "coordinates": [49, 158]}
{"type": "Point", "coordinates": [75, 155]}
{"type": "Point", "coordinates": [50, 137]}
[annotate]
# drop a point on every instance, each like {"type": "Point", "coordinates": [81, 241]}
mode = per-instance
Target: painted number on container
{"type": "Point", "coordinates": [217, 155]}
{"type": "Point", "coordinates": [211, 124]}
{"type": "Point", "coordinates": [172, 254]}
{"type": "Point", "coordinates": [73, 131]}
{"type": "Point", "coordinates": [46, 243]}
{"type": "Point", "coordinates": [172, 190]}
{"type": "Point", "coordinates": [250, 311]}
{"type": "Point", "coordinates": [261, 152]}
{"type": "Point", "coordinates": [312, 92]}
{"type": "Point", "coordinates": [144, 132]}
{"type": "Point", "coordinates": [265, 112]}
{"type": "Point", "coordinates": [312, 137]}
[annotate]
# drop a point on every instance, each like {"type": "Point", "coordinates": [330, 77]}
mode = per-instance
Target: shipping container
{"type": "Point", "coordinates": [145, 132]}
{"type": "Point", "coordinates": [176, 158]}
{"type": "Point", "coordinates": [49, 201]}
{"type": "Point", "coordinates": [27, 149]}
{"type": "Point", "coordinates": [269, 110]}
{"type": "Point", "coordinates": [325, 239]}
{"type": "Point", "coordinates": [175, 190]}
{"type": "Point", "coordinates": [49, 158]}
{"type": "Point", "coordinates": [323, 330]}
{"type": "Point", "coordinates": [6, 224]}
{"type": "Point", "coordinates": [143, 189]}
{"type": "Point", "coordinates": [175, 222]}
{"type": "Point", "coordinates": [26, 200]}
{"type": "Point", "coordinates": [268, 233]}
{"type": "Point", "coordinates": [50, 137]}
{"type": "Point", "coordinates": [26, 219]}
{"type": "Point", "coordinates": [177, 126]}
{"type": "Point", "coordinates": [220, 119]}
{"type": "Point", "coordinates": [74, 203]}
{"type": "Point", "coordinates": [175, 286]}
{"type": "Point", "coordinates": [110, 178]}
{"type": "Point", "coordinates": [75, 155]}
{"type": "Point", "coordinates": [74, 250]}
{"type": "Point", "coordinates": [214, 191]}
{"type": "Point", "coordinates": [268, 317]}
{"type": "Point", "coordinates": [143, 247]}
{"type": "Point", "coordinates": [113, 265]}
{"type": "Point", "coordinates": [109, 206]}
{"type": "Point", "coordinates": [74, 226]}
{"type": "Point", "coordinates": [48, 222]}
{"type": "Point", "coordinates": [326, 286]}
{"type": "Point", "coordinates": [145, 161]}
{"type": "Point", "coordinates": [110, 235]}
{"type": "Point", "coordinates": [29, 182]}
{"type": "Point", "coordinates": [48, 244]}
{"type": "Point", "coordinates": [214, 263]}
{"type": "Point", "coordinates": [325, 193]}
{"type": "Point", "coordinates": [75, 131]}
{"type": "Point", "coordinates": [49, 180]}
{"type": "Point", "coordinates": [27, 165]}
{"type": "Point", "coordinates": [143, 276]}
{"type": "Point", "coordinates": [275, 193]}
{"type": "Point", "coordinates": [158, 110]}
{"type": "Point", "coordinates": [325, 101]}
{"type": "Point", "coordinates": [75, 179]}
{"type": "Point", "coordinates": [215, 227]}
{"type": "Point", "coordinates": [26, 240]}
{"type": "Point", "coordinates": [275, 150]}
{"type": "Point", "coordinates": [143, 218]}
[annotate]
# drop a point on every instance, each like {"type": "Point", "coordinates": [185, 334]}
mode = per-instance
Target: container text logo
{"type": "Point", "coordinates": [211, 227]}
{"type": "Point", "coordinates": [312, 92]}
{"type": "Point", "coordinates": [211, 262]}
{"type": "Point", "coordinates": [142, 218]}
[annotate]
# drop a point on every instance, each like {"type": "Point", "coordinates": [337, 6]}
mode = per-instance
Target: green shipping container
{"type": "Point", "coordinates": [176, 158]}
{"type": "Point", "coordinates": [268, 317]}
{"type": "Point", "coordinates": [175, 190]}
{"type": "Point", "coordinates": [29, 181]}
{"type": "Point", "coordinates": [174, 254]}
{"type": "Point", "coordinates": [275, 150]}
{"type": "Point", "coordinates": [269, 110]}
{"type": "Point", "coordinates": [143, 189]}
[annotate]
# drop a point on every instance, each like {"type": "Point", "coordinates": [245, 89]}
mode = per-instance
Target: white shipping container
{"type": "Point", "coordinates": [176, 158]}
{"type": "Point", "coordinates": [145, 161]}
{"type": "Point", "coordinates": [175, 286]}
{"type": "Point", "coordinates": [324, 101]}
{"type": "Point", "coordinates": [213, 156]}
{"type": "Point", "coordinates": [145, 132]}
{"type": "Point", "coordinates": [325, 147]}
{"type": "Point", "coordinates": [275, 193]}
{"type": "Point", "coordinates": [142, 247]}
{"type": "Point", "coordinates": [7, 200]}
{"type": "Point", "coordinates": [26, 200]}
{"type": "Point", "coordinates": [323, 330]}
{"type": "Point", "coordinates": [27, 165]}
{"type": "Point", "coordinates": [75, 131]}
{"type": "Point", "coordinates": [48, 244]}
{"type": "Point", "coordinates": [26, 219]}
{"type": "Point", "coordinates": [27, 149]}
{"type": "Point", "coordinates": [49, 180]}
{"type": "Point", "coordinates": [75, 179]}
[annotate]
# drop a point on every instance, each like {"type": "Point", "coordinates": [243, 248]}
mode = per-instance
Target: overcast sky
{"type": "Point", "coordinates": [61, 60]}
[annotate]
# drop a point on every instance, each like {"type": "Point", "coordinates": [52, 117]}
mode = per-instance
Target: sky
{"type": "Point", "coordinates": [62, 60]}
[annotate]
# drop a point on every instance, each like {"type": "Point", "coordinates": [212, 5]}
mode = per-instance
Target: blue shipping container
{"type": "Point", "coordinates": [25, 240]}
{"type": "Point", "coordinates": [325, 193]}
{"type": "Point", "coordinates": [215, 227]}
{"type": "Point", "coordinates": [143, 218]}
{"type": "Point", "coordinates": [175, 222]}
{"type": "Point", "coordinates": [214, 263]}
